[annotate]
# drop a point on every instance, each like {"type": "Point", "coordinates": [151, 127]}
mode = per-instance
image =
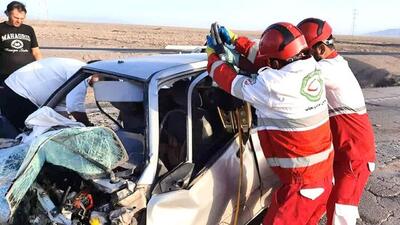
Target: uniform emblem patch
{"type": "Point", "coordinates": [312, 86]}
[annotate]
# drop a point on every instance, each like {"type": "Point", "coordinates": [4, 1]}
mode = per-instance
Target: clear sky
{"type": "Point", "coordinates": [371, 15]}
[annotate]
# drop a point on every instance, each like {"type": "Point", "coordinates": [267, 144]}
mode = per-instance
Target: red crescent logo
{"type": "Point", "coordinates": [310, 88]}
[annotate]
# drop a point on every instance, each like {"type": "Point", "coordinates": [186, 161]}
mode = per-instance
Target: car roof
{"type": "Point", "coordinates": [142, 68]}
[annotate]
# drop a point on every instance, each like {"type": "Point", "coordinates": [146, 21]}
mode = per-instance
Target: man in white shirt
{"type": "Point", "coordinates": [30, 86]}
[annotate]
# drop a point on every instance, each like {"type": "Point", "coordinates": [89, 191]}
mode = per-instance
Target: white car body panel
{"type": "Point", "coordinates": [212, 197]}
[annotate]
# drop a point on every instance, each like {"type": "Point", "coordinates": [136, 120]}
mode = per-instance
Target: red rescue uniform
{"type": "Point", "coordinates": [294, 132]}
{"type": "Point", "coordinates": [353, 140]}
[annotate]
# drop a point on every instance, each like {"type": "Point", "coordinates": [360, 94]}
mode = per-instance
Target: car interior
{"type": "Point", "coordinates": [125, 114]}
{"type": "Point", "coordinates": [209, 134]}
{"type": "Point", "coordinates": [126, 111]}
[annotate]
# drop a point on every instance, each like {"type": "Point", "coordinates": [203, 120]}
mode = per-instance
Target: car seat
{"type": "Point", "coordinates": [127, 97]}
{"type": "Point", "coordinates": [174, 123]}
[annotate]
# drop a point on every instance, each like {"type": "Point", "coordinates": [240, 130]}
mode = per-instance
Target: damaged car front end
{"type": "Point", "coordinates": [68, 176]}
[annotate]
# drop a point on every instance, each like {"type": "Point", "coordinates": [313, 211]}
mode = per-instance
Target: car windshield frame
{"type": "Point", "coordinates": [83, 74]}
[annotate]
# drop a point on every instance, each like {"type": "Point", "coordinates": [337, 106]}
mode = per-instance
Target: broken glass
{"type": "Point", "coordinates": [90, 151]}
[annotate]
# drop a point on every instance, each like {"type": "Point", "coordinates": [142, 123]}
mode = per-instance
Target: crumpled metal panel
{"type": "Point", "coordinates": [88, 151]}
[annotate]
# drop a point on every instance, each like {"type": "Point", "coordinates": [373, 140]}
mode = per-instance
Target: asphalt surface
{"type": "Point", "coordinates": [380, 204]}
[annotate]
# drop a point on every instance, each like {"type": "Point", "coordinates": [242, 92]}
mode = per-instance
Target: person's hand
{"type": "Point", "coordinates": [211, 45]}
{"type": "Point", "coordinates": [231, 56]}
{"type": "Point", "coordinates": [227, 36]}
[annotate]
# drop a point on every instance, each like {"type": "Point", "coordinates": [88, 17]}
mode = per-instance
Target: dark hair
{"type": "Point", "coordinates": [304, 54]}
{"type": "Point", "coordinates": [15, 5]}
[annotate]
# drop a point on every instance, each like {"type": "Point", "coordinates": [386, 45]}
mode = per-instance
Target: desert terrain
{"type": "Point", "coordinates": [374, 60]}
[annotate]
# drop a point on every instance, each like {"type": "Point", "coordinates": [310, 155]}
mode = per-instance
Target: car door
{"type": "Point", "coordinates": [268, 178]}
{"type": "Point", "coordinates": [210, 197]}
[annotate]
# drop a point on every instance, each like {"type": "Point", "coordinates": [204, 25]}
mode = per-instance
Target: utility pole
{"type": "Point", "coordinates": [355, 14]}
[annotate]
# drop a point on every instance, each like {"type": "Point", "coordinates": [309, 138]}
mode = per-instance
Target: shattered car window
{"type": "Point", "coordinates": [90, 152]}
{"type": "Point", "coordinates": [11, 159]}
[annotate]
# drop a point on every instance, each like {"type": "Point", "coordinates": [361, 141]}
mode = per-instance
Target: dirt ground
{"type": "Point", "coordinates": [381, 54]}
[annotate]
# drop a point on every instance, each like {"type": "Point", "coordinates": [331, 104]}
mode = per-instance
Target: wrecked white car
{"type": "Point", "coordinates": [166, 150]}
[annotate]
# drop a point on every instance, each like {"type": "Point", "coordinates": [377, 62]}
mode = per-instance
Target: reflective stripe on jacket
{"type": "Point", "coordinates": [293, 120]}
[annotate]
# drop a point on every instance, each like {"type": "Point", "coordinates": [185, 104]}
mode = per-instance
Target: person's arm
{"type": "Point", "coordinates": [82, 117]}
{"type": "Point", "coordinates": [36, 53]}
{"type": "Point", "coordinates": [75, 102]}
{"type": "Point", "coordinates": [247, 47]}
{"type": "Point", "coordinates": [252, 60]}
{"type": "Point", "coordinates": [35, 46]}
{"type": "Point", "coordinates": [244, 46]}
{"type": "Point", "coordinates": [252, 90]}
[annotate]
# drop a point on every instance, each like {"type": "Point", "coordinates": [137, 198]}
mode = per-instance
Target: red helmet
{"type": "Point", "coordinates": [315, 30]}
{"type": "Point", "coordinates": [282, 41]}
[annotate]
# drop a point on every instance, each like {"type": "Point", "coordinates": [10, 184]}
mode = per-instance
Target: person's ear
{"type": "Point", "coordinates": [322, 49]}
{"type": "Point", "coordinates": [275, 64]}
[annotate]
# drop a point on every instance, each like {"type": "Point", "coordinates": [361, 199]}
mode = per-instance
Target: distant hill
{"type": "Point", "coordinates": [386, 33]}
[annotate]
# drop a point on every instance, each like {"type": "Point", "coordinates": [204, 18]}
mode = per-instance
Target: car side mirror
{"type": "Point", "coordinates": [176, 179]}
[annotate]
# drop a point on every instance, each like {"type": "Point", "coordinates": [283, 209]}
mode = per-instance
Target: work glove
{"type": "Point", "coordinates": [211, 45]}
{"type": "Point", "coordinates": [227, 36]}
{"type": "Point", "coordinates": [229, 56]}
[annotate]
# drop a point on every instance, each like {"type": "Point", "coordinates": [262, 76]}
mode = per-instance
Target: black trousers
{"type": "Point", "coordinates": [15, 107]}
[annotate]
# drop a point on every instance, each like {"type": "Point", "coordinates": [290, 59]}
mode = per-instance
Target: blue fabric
{"type": "Point", "coordinates": [224, 34]}
{"type": "Point", "coordinates": [211, 42]}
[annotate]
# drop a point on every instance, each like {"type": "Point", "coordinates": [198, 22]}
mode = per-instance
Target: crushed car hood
{"type": "Point", "coordinates": [89, 151]}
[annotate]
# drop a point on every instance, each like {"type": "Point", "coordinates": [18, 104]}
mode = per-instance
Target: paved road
{"type": "Point", "coordinates": [380, 204]}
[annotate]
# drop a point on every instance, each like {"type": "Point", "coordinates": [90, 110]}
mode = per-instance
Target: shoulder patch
{"type": "Point", "coordinates": [312, 86]}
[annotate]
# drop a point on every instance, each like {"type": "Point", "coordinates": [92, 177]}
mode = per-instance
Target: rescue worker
{"type": "Point", "coordinates": [353, 137]}
{"type": "Point", "coordinates": [30, 86]}
{"type": "Point", "coordinates": [293, 121]}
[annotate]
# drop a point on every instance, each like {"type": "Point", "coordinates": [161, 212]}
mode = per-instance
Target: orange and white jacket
{"type": "Point", "coordinates": [252, 60]}
{"type": "Point", "coordinates": [293, 120]}
{"type": "Point", "coordinates": [353, 136]}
